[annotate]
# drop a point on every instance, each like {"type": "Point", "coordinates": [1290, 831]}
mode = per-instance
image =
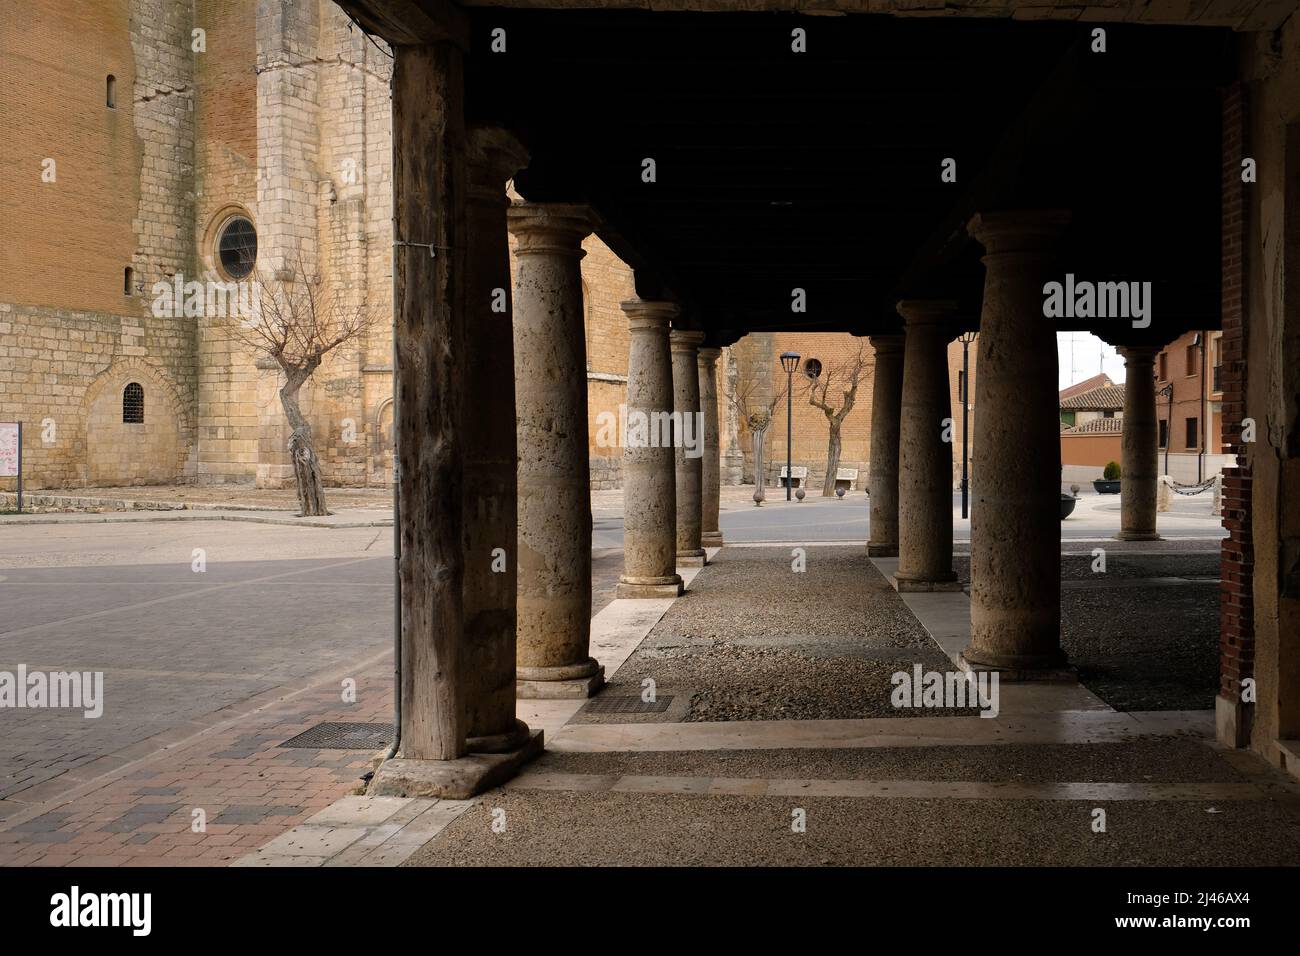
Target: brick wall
{"type": "Point", "coordinates": [72, 332]}
{"type": "Point", "coordinates": [1236, 622]}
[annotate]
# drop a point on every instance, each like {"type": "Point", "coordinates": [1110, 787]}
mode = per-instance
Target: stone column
{"type": "Point", "coordinates": [490, 492]}
{"type": "Point", "coordinates": [886, 411]}
{"type": "Point", "coordinates": [1015, 521]}
{"type": "Point", "coordinates": [554, 614]}
{"type": "Point", "coordinates": [924, 457]}
{"type": "Point", "coordinates": [710, 533]}
{"type": "Point", "coordinates": [733, 457]}
{"type": "Point", "coordinates": [1140, 456]}
{"type": "Point", "coordinates": [688, 464]}
{"type": "Point", "coordinates": [649, 479]}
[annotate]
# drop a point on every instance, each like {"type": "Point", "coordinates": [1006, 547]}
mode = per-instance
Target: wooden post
{"type": "Point", "coordinates": [429, 195]}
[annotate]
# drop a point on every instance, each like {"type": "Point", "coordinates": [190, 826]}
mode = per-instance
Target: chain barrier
{"type": "Point", "coordinates": [1196, 489]}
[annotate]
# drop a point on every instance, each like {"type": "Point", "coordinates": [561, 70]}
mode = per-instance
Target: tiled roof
{"type": "Point", "coordinates": [1087, 385]}
{"type": "Point", "coordinates": [1105, 398]}
{"type": "Point", "coordinates": [1098, 426]}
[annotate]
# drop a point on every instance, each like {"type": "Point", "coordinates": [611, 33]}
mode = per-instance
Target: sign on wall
{"type": "Point", "coordinates": [10, 449]}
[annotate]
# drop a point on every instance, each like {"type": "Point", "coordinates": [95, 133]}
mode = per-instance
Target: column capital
{"type": "Point", "coordinates": [887, 344]}
{"type": "Point", "coordinates": [1139, 354]}
{"type": "Point", "coordinates": [709, 354]}
{"type": "Point", "coordinates": [928, 311]}
{"type": "Point", "coordinates": [495, 155]}
{"type": "Point", "coordinates": [1017, 230]}
{"type": "Point", "coordinates": [645, 314]}
{"type": "Point", "coordinates": [556, 228]}
{"type": "Point", "coordinates": [685, 340]}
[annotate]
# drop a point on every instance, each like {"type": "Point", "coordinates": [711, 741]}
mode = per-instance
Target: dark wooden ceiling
{"type": "Point", "coordinates": [821, 170]}
{"type": "Point", "coordinates": [779, 170]}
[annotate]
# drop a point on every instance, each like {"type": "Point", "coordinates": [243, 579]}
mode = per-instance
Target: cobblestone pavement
{"type": "Point", "coordinates": [234, 776]}
{"type": "Point", "coordinates": [205, 675]}
{"type": "Point", "coordinates": [756, 639]}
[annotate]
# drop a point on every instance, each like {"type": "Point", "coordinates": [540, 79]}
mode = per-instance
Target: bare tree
{"type": "Point", "coordinates": [847, 375]}
{"type": "Point", "coordinates": [297, 323]}
{"type": "Point", "coordinates": [756, 411]}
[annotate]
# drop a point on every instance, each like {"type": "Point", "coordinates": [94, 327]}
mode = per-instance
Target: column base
{"type": "Point", "coordinates": [882, 550]}
{"type": "Point", "coordinates": [512, 739]}
{"type": "Point", "coordinates": [711, 539]}
{"type": "Point", "coordinates": [692, 559]}
{"type": "Point", "coordinates": [907, 582]}
{"type": "Point", "coordinates": [1017, 668]}
{"type": "Point", "coordinates": [665, 587]}
{"type": "Point", "coordinates": [1232, 721]}
{"type": "Point", "coordinates": [1138, 536]}
{"type": "Point", "coordinates": [567, 682]}
{"type": "Point", "coordinates": [457, 779]}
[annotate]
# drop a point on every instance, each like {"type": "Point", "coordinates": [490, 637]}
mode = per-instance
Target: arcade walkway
{"type": "Point", "coordinates": [773, 715]}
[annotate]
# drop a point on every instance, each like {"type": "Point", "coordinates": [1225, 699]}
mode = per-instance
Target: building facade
{"type": "Point", "coordinates": [226, 140]}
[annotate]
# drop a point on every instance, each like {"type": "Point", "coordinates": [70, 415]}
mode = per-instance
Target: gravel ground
{"type": "Point", "coordinates": [1124, 564]}
{"type": "Point", "coordinates": [1167, 760]}
{"type": "Point", "coordinates": [753, 640]}
{"type": "Point", "coordinates": [1141, 647]}
{"type": "Point", "coordinates": [546, 828]}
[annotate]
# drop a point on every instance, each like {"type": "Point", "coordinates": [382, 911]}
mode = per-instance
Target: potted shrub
{"type": "Point", "coordinates": [1108, 484]}
{"type": "Point", "coordinates": [1069, 501]}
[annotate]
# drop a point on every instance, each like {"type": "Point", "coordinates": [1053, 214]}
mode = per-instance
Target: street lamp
{"type": "Point", "coordinates": [966, 339]}
{"type": "Point", "coordinates": [789, 362]}
{"type": "Point", "coordinates": [1168, 392]}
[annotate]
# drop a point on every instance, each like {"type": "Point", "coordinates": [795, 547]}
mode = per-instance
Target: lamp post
{"type": "Point", "coordinates": [789, 362]}
{"type": "Point", "coordinates": [1168, 392]}
{"type": "Point", "coordinates": [966, 339]}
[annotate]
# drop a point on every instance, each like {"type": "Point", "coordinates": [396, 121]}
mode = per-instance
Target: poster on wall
{"type": "Point", "coordinates": [10, 450]}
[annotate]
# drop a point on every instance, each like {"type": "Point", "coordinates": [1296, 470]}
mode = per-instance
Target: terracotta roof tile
{"type": "Point", "coordinates": [1104, 398]}
{"type": "Point", "coordinates": [1098, 426]}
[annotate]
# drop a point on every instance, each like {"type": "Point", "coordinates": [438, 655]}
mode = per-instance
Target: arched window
{"type": "Point", "coordinates": [237, 248]}
{"type": "Point", "coordinates": [133, 404]}
{"type": "Point", "coordinates": [110, 92]}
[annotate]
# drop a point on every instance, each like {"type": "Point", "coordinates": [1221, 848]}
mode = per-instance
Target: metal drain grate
{"type": "Point", "coordinates": [343, 736]}
{"type": "Point", "coordinates": [627, 705]}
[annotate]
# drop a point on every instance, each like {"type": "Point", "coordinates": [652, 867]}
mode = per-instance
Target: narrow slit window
{"type": "Point", "coordinates": [110, 92]}
{"type": "Point", "coordinates": [128, 281]}
{"type": "Point", "coordinates": [133, 404]}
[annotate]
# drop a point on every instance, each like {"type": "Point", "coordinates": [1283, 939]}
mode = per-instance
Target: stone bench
{"type": "Point", "coordinates": [800, 474]}
{"type": "Point", "coordinates": [847, 477]}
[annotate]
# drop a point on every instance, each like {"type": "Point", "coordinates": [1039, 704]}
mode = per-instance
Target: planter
{"type": "Point", "coordinates": [1105, 487]}
{"type": "Point", "coordinates": [1067, 505]}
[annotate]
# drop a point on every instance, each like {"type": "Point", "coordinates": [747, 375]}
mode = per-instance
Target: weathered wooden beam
{"type": "Point", "coordinates": [429, 201]}
{"type": "Point", "coordinates": [410, 22]}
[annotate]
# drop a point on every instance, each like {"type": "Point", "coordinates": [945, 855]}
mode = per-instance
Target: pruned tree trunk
{"type": "Point", "coordinates": [759, 493]}
{"type": "Point", "coordinates": [832, 459]}
{"type": "Point", "coordinates": [302, 450]}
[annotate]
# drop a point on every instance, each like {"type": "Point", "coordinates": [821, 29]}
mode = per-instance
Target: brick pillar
{"type": "Point", "coordinates": [1236, 607]}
